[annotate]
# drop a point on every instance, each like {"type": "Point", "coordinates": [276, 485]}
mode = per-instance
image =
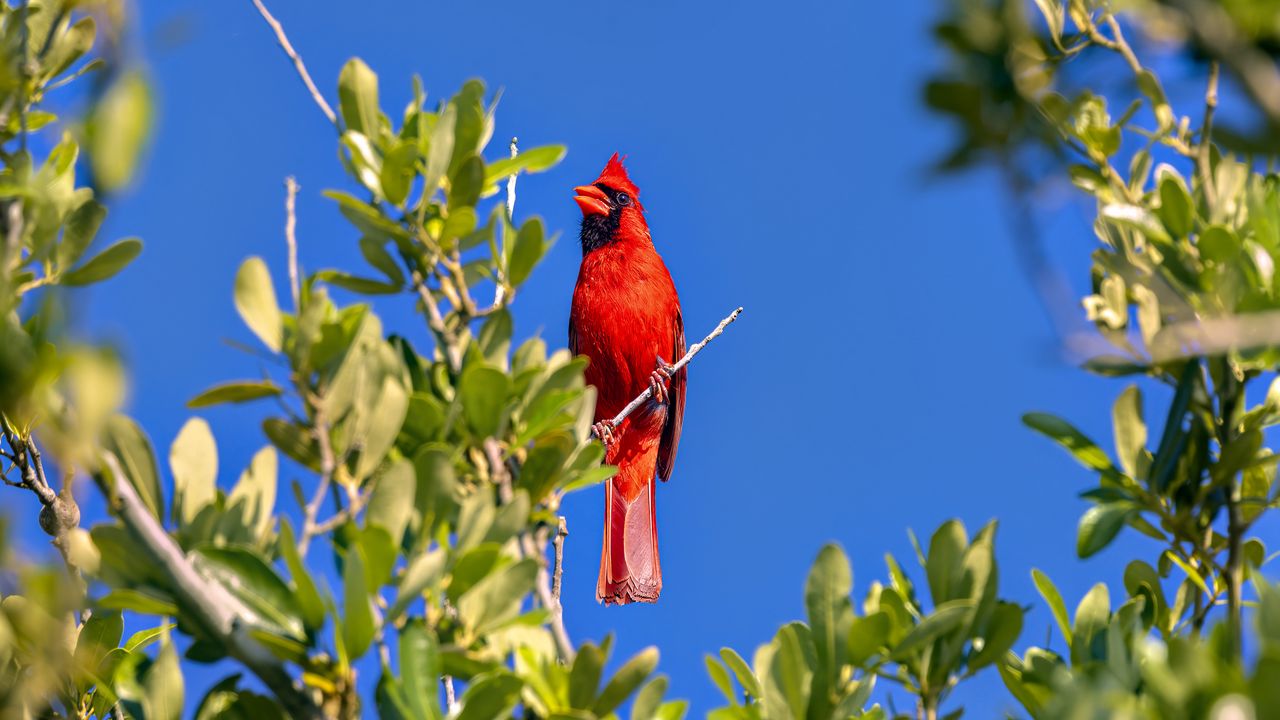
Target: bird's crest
{"type": "Point", "coordinates": [615, 176]}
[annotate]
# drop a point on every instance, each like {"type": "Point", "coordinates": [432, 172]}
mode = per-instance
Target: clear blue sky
{"type": "Point", "coordinates": [889, 343]}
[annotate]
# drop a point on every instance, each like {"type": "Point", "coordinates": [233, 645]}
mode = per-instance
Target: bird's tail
{"type": "Point", "coordinates": [629, 567]}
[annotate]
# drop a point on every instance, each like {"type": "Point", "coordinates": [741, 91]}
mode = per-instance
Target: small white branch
{"type": "Point", "coordinates": [297, 63]}
{"type": "Point", "coordinates": [290, 236]}
{"type": "Point", "coordinates": [648, 392]}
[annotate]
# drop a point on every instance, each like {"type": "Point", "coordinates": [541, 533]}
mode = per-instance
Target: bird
{"type": "Point", "coordinates": [625, 318]}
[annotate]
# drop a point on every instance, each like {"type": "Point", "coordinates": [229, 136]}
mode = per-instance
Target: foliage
{"type": "Point", "coordinates": [828, 667]}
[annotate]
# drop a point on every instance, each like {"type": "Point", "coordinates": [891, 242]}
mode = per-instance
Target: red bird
{"type": "Point", "coordinates": [626, 320]}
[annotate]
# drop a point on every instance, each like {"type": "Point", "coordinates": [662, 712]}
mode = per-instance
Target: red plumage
{"type": "Point", "coordinates": [625, 316]}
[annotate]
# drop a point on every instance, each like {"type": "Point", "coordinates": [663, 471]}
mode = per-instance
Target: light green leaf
{"type": "Point", "coordinates": [105, 264]}
{"type": "Point", "coordinates": [358, 98]}
{"type": "Point", "coordinates": [193, 459]}
{"type": "Point", "coordinates": [256, 302]}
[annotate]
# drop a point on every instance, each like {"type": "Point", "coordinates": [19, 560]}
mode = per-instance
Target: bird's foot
{"type": "Point", "coordinates": [604, 432]}
{"type": "Point", "coordinates": [658, 381]}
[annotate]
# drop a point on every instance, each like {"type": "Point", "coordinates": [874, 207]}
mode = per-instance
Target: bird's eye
{"type": "Point", "coordinates": [623, 199]}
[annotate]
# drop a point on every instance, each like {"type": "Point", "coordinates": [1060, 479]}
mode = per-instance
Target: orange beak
{"type": "Point", "coordinates": [592, 200]}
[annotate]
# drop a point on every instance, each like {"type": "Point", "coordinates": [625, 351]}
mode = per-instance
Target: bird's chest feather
{"type": "Point", "coordinates": [624, 309]}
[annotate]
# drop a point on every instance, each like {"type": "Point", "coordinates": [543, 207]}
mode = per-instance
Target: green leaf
{"type": "Point", "coordinates": [358, 625]}
{"type": "Point", "coordinates": [130, 445]}
{"type": "Point", "coordinates": [584, 676]}
{"type": "Point", "coordinates": [163, 685]}
{"type": "Point", "coordinates": [139, 601]}
{"type": "Point", "coordinates": [826, 599]}
{"type": "Point", "coordinates": [1053, 598]}
{"type": "Point", "coordinates": [648, 699]}
{"type": "Point", "coordinates": [945, 618]}
{"type": "Point", "coordinates": [105, 264]}
{"type": "Point", "coordinates": [746, 678]}
{"type": "Point", "coordinates": [943, 567]}
{"type": "Point", "coordinates": [236, 391]}
{"type": "Point", "coordinates": [530, 161]}
{"type": "Point", "coordinates": [490, 697]}
{"type": "Point", "coordinates": [530, 245]}
{"type": "Point", "coordinates": [98, 636]}
{"type": "Point", "coordinates": [1130, 429]}
{"type": "Point", "coordinates": [1174, 435]}
{"type": "Point", "coordinates": [117, 129]}
{"type": "Point", "coordinates": [1099, 526]}
{"type": "Point", "coordinates": [1092, 616]}
{"type": "Point", "coordinates": [81, 228]}
{"type": "Point", "coordinates": [244, 574]}
{"type": "Point", "coordinates": [256, 302]}
{"type": "Point", "coordinates": [1175, 205]}
{"type": "Point", "coordinates": [867, 635]}
{"type": "Point", "coordinates": [193, 460]}
{"type": "Point", "coordinates": [1065, 434]}
{"type": "Point", "coordinates": [720, 678]}
{"type": "Point", "coordinates": [496, 599]}
{"type": "Point", "coordinates": [398, 170]}
{"type": "Point", "coordinates": [424, 570]}
{"type": "Point", "coordinates": [1002, 631]}
{"type": "Point", "coordinates": [625, 681]}
{"type": "Point", "coordinates": [356, 284]}
{"type": "Point", "coordinates": [310, 605]}
{"type": "Point", "coordinates": [420, 668]}
{"type": "Point", "coordinates": [392, 501]}
{"type": "Point", "coordinates": [483, 391]}
{"type": "Point", "coordinates": [376, 254]}
{"type": "Point", "coordinates": [358, 98]}
{"type": "Point", "coordinates": [249, 515]}
{"type": "Point", "coordinates": [788, 675]}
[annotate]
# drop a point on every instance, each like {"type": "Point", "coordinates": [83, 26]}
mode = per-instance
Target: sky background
{"type": "Point", "coordinates": [875, 382]}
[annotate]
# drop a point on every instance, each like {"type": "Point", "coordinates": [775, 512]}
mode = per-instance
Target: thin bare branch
{"type": "Point", "coordinates": [297, 63]}
{"type": "Point", "coordinates": [1216, 31]}
{"type": "Point", "coordinates": [290, 236]}
{"type": "Point", "coordinates": [1206, 137]}
{"type": "Point", "coordinates": [328, 465]}
{"type": "Point", "coordinates": [562, 532]}
{"type": "Point", "coordinates": [688, 356]}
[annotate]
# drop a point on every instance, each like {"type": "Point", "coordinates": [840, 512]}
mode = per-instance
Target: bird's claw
{"type": "Point", "coordinates": [604, 431]}
{"type": "Point", "coordinates": [658, 381]}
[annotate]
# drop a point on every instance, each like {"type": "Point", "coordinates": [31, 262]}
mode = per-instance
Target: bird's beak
{"type": "Point", "coordinates": [592, 200]}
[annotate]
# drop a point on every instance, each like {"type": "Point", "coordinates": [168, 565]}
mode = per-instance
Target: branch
{"type": "Point", "coordinates": [328, 465]}
{"type": "Point", "coordinates": [210, 605]}
{"type": "Point", "coordinates": [297, 63]}
{"type": "Point", "coordinates": [648, 392]}
{"type": "Point", "coordinates": [290, 237]}
{"type": "Point", "coordinates": [1215, 30]}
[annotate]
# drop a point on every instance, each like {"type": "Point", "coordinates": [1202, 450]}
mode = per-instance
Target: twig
{"type": "Point", "coordinates": [1217, 32]}
{"type": "Point", "coordinates": [511, 184]}
{"type": "Point", "coordinates": [1206, 138]}
{"type": "Point", "coordinates": [450, 699]}
{"type": "Point", "coordinates": [208, 604]}
{"type": "Point", "coordinates": [297, 63]}
{"type": "Point", "coordinates": [290, 236]}
{"type": "Point", "coordinates": [697, 348]}
{"type": "Point", "coordinates": [444, 338]}
{"type": "Point", "coordinates": [562, 532]}
{"type": "Point", "coordinates": [328, 465]}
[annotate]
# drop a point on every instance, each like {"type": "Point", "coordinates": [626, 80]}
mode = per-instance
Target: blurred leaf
{"type": "Point", "coordinates": [1053, 598]}
{"type": "Point", "coordinates": [105, 264]}
{"type": "Point", "coordinates": [193, 460]}
{"type": "Point", "coordinates": [117, 129]}
{"type": "Point", "coordinates": [256, 302]}
{"type": "Point", "coordinates": [358, 98]}
{"type": "Point", "coordinates": [236, 391]}
{"type": "Point", "coordinates": [629, 677]}
{"type": "Point", "coordinates": [528, 250]}
{"type": "Point", "coordinates": [358, 625]}
{"type": "Point", "coordinates": [130, 445]}
{"type": "Point", "coordinates": [1081, 447]}
{"type": "Point", "coordinates": [254, 582]}
{"type": "Point", "coordinates": [945, 618]}
{"type": "Point", "coordinates": [392, 500]}
{"type": "Point", "coordinates": [310, 606]}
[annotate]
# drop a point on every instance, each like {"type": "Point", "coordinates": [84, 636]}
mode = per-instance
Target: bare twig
{"type": "Point", "coordinates": [445, 340]}
{"type": "Point", "coordinates": [562, 532]}
{"type": "Point", "coordinates": [511, 184]}
{"type": "Point", "coordinates": [1206, 138]}
{"type": "Point", "coordinates": [290, 236]}
{"type": "Point", "coordinates": [688, 356]}
{"type": "Point", "coordinates": [451, 700]}
{"type": "Point", "coordinates": [1217, 32]}
{"type": "Point", "coordinates": [208, 604]}
{"type": "Point", "coordinates": [328, 465]}
{"type": "Point", "coordinates": [297, 63]}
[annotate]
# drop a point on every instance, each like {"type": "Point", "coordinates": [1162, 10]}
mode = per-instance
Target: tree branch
{"type": "Point", "coordinates": [209, 604]}
{"type": "Point", "coordinates": [688, 356]}
{"type": "Point", "coordinates": [1215, 30]}
{"type": "Point", "coordinates": [297, 63]}
{"type": "Point", "coordinates": [291, 238]}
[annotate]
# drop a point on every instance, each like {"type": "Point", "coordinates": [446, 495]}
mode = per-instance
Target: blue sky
{"type": "Point", "coordinates": [889, 344]}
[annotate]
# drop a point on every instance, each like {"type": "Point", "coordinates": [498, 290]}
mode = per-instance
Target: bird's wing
{"type": "Point", "coordinates": [675, 410]}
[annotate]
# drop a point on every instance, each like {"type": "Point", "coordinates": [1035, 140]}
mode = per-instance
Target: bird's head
{"type": "Point", "coordinates": [611, 208]}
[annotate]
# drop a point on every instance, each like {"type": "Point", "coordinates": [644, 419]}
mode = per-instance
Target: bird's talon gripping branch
{"type": "Point", "coordinates": [604, 431]}
{"type": "Point", "coordinates": [658, 381]}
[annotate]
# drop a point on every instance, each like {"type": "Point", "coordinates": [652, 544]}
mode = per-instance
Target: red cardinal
{"type": "Point", "coordinates": [626, 320]}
